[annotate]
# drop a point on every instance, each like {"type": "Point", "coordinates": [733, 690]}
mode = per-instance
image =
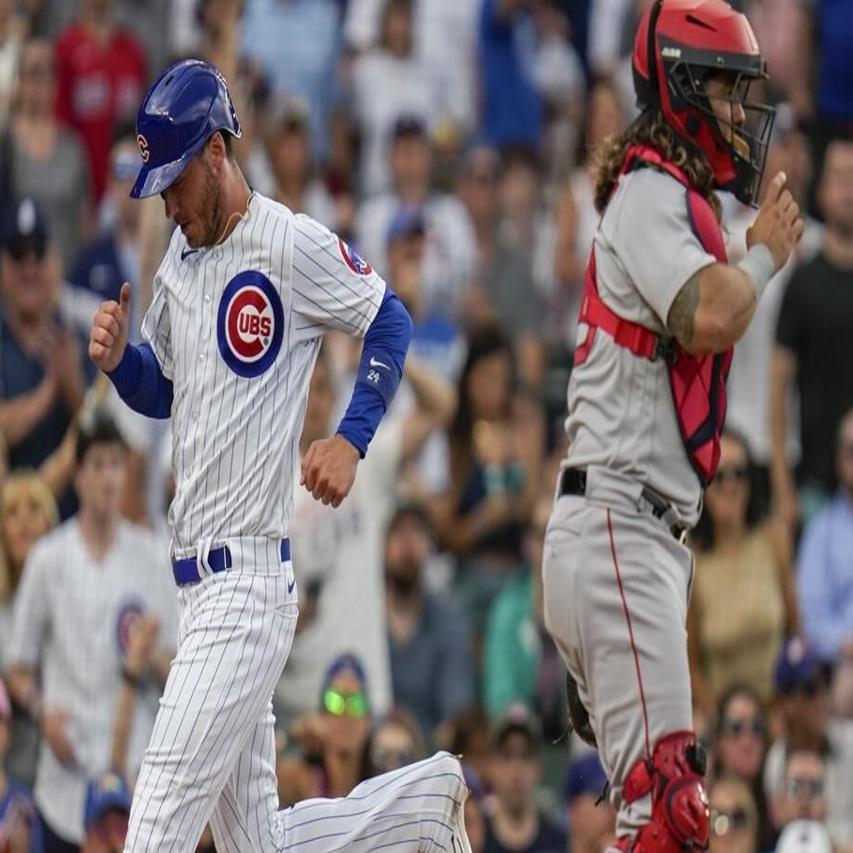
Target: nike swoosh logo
{"type": "Point", "coordinates": [290, 586]}
{"type": "Point", "coordinates": [187, 252]}
{"type": "Point", "coordinates": [375, 363]}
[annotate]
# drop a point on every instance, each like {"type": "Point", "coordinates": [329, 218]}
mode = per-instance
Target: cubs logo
{"type": "Point", "coordinates": [250, 324]}
{"type": "Point", "coordinates": [351, 258]}
{"type": "Point", "coordinates": [144, 151]}
{"type": "Point", "coordinates": [128, 613]}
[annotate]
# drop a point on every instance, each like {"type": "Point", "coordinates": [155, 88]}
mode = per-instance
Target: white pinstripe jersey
{"type": "Point", "coordinates": [237, 328]}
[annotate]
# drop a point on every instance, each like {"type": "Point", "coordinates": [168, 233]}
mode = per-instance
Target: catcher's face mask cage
{"type": "Point", "coordinates": [736, 146]}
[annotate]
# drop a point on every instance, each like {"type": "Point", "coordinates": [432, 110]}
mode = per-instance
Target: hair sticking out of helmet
{"type": "Point", "coordinates": [682, 45]}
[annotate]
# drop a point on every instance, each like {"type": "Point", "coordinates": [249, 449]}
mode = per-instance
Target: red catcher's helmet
{"type": "Point", "coordinates": [690, 41]}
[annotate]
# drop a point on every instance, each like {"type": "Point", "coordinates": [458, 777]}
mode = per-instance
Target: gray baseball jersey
{"type": "Point", "coordinates": [621, 413]}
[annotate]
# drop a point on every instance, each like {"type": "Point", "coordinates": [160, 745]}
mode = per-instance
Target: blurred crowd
{"type": "Point", "coordinates": [448, 142]}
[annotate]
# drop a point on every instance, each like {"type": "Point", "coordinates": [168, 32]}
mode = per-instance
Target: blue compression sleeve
{"type": "Point", "coordinates": [379, 371]}
{"type": "Point", "coordinates": [141, 384]}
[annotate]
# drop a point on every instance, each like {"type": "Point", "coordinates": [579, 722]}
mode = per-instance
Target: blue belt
{"type": "Point", "coordinates": [218, 559]}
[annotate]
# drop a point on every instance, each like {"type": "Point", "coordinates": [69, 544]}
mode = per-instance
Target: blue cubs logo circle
{"type": "Point", "coordinates": [128, 613]}
{"type": "Point", "coordinates": [353, 260]}
{"type": "Point", "coordinates": [250, 324]}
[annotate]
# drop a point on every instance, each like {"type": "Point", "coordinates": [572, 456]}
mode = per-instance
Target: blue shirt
{"type": "Point", "coordinates": [19, 801]}
{"type": "Point", "coordinates": [825, 577]}
{"type": "Point", "coordinates": [297, 43]}
{"type": "Point", "coordinates": [512, 108]}
{"type": "Point", "coordinates": [835, 80]}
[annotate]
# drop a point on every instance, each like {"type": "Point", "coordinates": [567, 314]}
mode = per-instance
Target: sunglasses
{"type": "Point", "coordinates": [337, 704]}
{"type": "Point", "coordinates": [723, 822]}
{"type": "Point", "coordinates": [25, 247]}
{"type": "Point", "coordinates": [732, 473]}
{"type": "Point", "coordinates": [798, 788]}
{"type": "Point", "coordinates": [391, 759]}
{"type": "Point", "coordinates": [735, 728]}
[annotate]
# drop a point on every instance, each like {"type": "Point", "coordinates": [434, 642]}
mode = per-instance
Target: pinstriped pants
{"type": "Point", "coordinates": [616, 586]}
{"type": "Point", "coordinates": [211, 757]}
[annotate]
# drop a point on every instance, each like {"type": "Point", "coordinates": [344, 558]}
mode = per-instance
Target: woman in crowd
{"type": "Point", "coordinates": [45, 161]}
{"type": "Point", "coordinates": [495, 456]}
{"type": "Point", "coordinates": [739, 745]}
{"type": "Point", "coordinates": [394, 743]}
{"type": "Point", "coordinates": [744, 598]}
{"type": "Point", "coordinates": [333, 739]}
{"type": "Point", "coordinates": [734, 818]}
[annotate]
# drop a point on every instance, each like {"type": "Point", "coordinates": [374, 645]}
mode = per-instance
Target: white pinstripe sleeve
{"type": "Point", "coordinates": [156, 328]}
{"type": "Point", "coordinates": [31, 610]}
{"type": "Point", "coordinates": [333, 288]}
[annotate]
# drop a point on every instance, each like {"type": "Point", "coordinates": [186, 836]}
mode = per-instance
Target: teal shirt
{"type": "Point", "coordinates": [511, 647]}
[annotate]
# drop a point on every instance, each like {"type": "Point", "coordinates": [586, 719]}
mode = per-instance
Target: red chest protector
{"type": "Point", "coordinates": [698, 382]}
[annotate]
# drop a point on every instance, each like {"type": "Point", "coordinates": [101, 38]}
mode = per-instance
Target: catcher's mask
{"type": "Point", "coordinates": [690, 42]}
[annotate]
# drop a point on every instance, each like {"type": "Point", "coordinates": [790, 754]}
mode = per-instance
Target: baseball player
{"type": "Point", "coordinates": [660, 313]}
{"type": "Point", "coordinates": [241, 302]}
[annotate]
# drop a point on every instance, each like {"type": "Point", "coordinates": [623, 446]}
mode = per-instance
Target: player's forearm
{"type": "Point", "coordinates": [713, 309]}
{"type": "Point", "coordinates": [379, 372]}
{"type": "Point", "coordinates": [141, 384]}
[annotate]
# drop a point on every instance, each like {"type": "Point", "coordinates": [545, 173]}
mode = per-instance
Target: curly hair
{"type": "Point", "coordinates": [651, 129]}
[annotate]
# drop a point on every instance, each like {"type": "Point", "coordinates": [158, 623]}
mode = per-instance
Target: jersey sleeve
{"type": "Point", "coordinates": [653, 238]}
{"type": "Point", "coordinates": [333, 288]}
{"type": "Point", "coordinates": [156, 328]}
{"type": "Point", "coordinates": [30, 620]}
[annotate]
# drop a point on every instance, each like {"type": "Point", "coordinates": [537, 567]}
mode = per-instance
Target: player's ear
{"type": "Point", "coordinates": [216, 149]}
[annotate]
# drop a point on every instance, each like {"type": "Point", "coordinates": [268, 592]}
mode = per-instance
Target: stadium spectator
{"type": "Point", "coordinates": [310, 30]}
{"type": "Point", "coordinates": [516, 823]}
{"type": "Point", "coordinates": [113, 256]}
{"type": "Point", "coordinates": [495, 457]}
{"type": "Point", "coordinates": [101, 73]}
{"type": "Point", "coordinates": [823, 575]}
{"type": "Point", "coordinates": [43, 365]}
{"type": "Point", "coordinates": [802, 792]}
{"type": "Point", "coordinates": [468, 734]}
{"type": "Point", "coordinates": [288, 145]}
{"type": "Point", "coordinates": [44, 160]}
{"type": "Point", "coordinates": [394, 69]}
{"type": "Point", "coordinates": [802, 683]}
{"type": "Point", "coordinates": [591, 819]}
{"type": "Point", "coordinates": [734, 817]}
{"type": "Point", "coordinates": [450, 247]}
{"type": "Point", "coordinates": [520, 661]}
{"type": "Point", "coordinates": [512, 106]}
{"type": "Point", "coordinates": [805, 836]}
{"type": "Point", "coordinates": [813, 348]}
{"type": "Point", "coordinates": [744, 596]}
{"type": "Point", "coordinates": [395, 741]}
{"type": "Point", "coordinates": [333, 740]}
{"type": "Point", "coordinates": [739, 744]}
{"type": "Point", "coordinates": [342, 610]}
{"type": "Point", "coordinates": [20, 826]}
{"type": "Point", "coordinates": [106, 814]}
{"type": "Point", "coordinates": [432, 669]}
{"type": "Point", "coordinates": [82, 586]}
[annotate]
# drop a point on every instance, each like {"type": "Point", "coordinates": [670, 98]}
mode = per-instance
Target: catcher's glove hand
{"type": "Point", "coordinates": [578, 715]}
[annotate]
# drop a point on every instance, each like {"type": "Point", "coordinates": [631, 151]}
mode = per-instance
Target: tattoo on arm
{"type": "Point", "coordinates": [683, 311]}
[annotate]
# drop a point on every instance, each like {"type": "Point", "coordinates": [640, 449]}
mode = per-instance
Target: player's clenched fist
{"type": "Point", "coordinates": [109, 331]}
{"type": "Point", "coordinates": [778, 224]}
{"type": "Point", "coordinates": [328, 469]}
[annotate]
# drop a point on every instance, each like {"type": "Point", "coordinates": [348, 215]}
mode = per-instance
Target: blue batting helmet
{"type": "Point", "coordinates": [187, 104]}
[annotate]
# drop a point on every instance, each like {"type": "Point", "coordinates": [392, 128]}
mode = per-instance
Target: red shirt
{"type": "Point", "coordinates": [97, 85]}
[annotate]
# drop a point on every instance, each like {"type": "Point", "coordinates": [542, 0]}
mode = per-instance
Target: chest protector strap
{"type": "Point", "coordinates": [698, 382]}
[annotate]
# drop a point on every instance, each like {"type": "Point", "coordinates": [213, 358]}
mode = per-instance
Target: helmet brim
{"type": "Point", "coordinates": [152, 180]}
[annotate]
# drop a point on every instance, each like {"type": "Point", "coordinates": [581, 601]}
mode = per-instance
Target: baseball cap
{"type": "Point", "coordinates": [517, 719]}
{"type": "Point", "coordinates": [24, 229]}
{"type": "Point", "coordinates": [585, 776]}
{"type": "Point", "coordinates": [104, 793]}
{"type": "Point", "coordinates": [407, 222]}
{"type": "Point", "coordinates": [804, 836]}
{"type": "Point", "coordinates": [5, 704]}
{"type": "Point", "coordinates": [797, 666]}
{"type": "Point", "coordinates": [409, 124]}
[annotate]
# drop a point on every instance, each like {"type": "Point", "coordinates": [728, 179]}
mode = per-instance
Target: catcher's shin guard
{"type": "Point", "coordinates": [680, 815]}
